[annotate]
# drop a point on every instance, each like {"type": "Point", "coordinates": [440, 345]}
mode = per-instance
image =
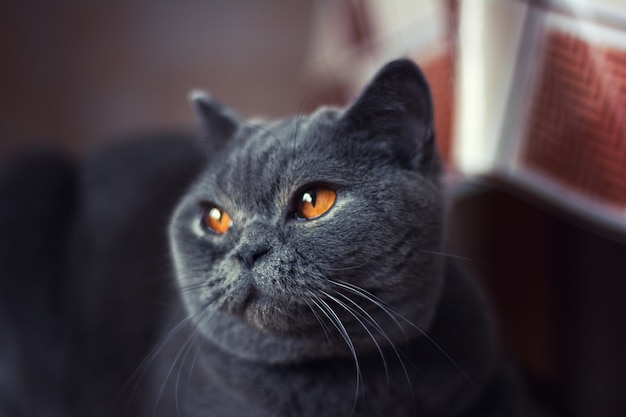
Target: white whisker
{"type": "Point", "coordinates": [371, 298]}
{"type": "Point", "coordinates": [391, 343]}
{"type": "Point", "coordinates": [193, 365]}
{"type": "Point", "coordinates": [142, 368]}
{"type": "Point", "coordinates": [194, 336]}
{"type": "Point", "coordinates": [391, 312]}
{"type": "Point", "coordinates": [349, 310]}
{"type": "Point", "coordinates": [347, 268]}
{"type": "Point", "coordinates": [176, 358]}
{"type": "Point", "coordinates": [451, 255]}
{"type": "Point", "coordinates": [320, 321]}
{"type": "Point", "coordinates": [326, 310]}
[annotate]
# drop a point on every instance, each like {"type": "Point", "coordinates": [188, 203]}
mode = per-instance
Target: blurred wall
{"type": "Point", "coordinates": [78, 73]}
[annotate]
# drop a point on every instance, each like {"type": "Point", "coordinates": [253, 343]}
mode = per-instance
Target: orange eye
{"type": "Point", "coordinates": [217, 220]}
{"type": "Point", "coordinates": [315, 201]}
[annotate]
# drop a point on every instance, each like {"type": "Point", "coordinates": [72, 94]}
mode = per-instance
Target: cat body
{"type": "Point", "coordinates": [303, 265]}
{"type": "Point", "coordinates": [353, 311]}
{"type": "Point", "coordinates": [419, 377]}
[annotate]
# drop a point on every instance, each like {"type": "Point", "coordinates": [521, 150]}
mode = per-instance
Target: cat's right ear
{"type": "Point", "coordinates": [218, 123]}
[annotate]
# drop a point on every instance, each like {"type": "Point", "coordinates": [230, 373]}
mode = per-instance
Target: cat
{"type": "Point", "coordinates": [305, 264]}
{"type": "Point", "coordinates": [309, 255]}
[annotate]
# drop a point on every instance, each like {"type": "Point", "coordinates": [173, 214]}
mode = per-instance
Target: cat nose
{"type": "Point", "coordinates": [249, 255]}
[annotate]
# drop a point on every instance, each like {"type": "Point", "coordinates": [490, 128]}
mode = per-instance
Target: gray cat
{"type": "Point", "coordinates": [308, 256]}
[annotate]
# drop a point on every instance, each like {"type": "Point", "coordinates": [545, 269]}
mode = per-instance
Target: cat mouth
{"type": "Point", "coordinates": [252, 296]}
{"type": "Point", "coordinates": [270, 310]}
{"type": "Point", "coordinates": [271, 315]}
{"type": "Point", "coordinates": [260, 310]}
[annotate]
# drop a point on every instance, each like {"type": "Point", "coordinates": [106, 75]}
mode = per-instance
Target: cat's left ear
{"type": "Point", "coordinates": [219, 124]}
{"type": "Point", "coordinates": [396, 109]}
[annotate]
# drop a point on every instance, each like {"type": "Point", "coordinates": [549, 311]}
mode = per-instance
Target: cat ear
{"type": "Point", "coordinates": [396, 109]}
{"type": "Point", "coordinates": [219, 124]}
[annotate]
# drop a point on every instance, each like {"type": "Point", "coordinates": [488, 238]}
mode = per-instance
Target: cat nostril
{"type": "Point", "coordinates": [249, 256]}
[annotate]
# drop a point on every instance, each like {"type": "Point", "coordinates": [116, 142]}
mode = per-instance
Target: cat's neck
{"type": "Point", "coordinates": [429, 368]}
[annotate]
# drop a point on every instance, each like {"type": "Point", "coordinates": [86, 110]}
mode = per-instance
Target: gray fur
{"type": "Point", "coordinates": [355, 313]}
{"type": "Point", "coordinates": [372, 263]}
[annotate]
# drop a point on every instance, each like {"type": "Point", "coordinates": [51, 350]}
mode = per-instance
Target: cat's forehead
{"type": "Point", "coordinates": [269, 160]}
{"type": "Point", "coordinates": [286, 135]}
{"type": "Point", "coordinates": [296, 137]}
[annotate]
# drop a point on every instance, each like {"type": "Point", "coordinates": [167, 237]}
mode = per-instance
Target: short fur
{"type": "Point", "coordinates": [355, 313]}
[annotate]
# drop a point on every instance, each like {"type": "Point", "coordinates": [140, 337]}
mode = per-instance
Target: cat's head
{"type": "Point", "coordinates": [305, 228]}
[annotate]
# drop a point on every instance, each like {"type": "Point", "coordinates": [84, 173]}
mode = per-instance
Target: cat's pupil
{"type": "Point", "coordinates": [315, 201]}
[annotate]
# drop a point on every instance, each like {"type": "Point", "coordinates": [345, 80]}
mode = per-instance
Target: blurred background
{"type": "Point", "coordinates": [530, 103]}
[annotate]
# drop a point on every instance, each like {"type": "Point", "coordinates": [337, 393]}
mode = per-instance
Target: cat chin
{"type": "Point", "coordinates": [235, 336]}
{"type": "Point", "coordinates": [262, 338]}
{"type": "Point", "coordinates": [261, 314]}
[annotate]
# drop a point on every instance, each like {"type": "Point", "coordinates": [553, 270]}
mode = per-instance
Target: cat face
{"type": "Point", "coordinates": [315, 235]}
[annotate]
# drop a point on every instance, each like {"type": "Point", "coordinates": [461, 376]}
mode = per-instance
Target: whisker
{"type": "Point", "coordinates": [349, 310]}
{"type": "Point", "coordinates": [195, 334]}
{"type": "Point", "coordinates": [321, 322]}
{"type": "Point", "coordinates": [174, 293]}
{"type": "Point", "coordinates": [193, 366]}
{"type": "Point", "coordinates": [453, 256]}
{"type": "Point", "coordinates": [371, 298]}
{"type": "Point", "coordinates": [391, 312]}
{"type": "Point", "coordinates": [261, 128]}
{"type": "Point", "coordinates": [326, 310]}
{"type": "Point", "coordinates": [443, 352]}
{"type": "Point", "coordinates": [391, 344]}
{"type": "Point", "coordinates": [142, 368]}
{"type": "Point", "coordinates": [298, 121]}
{"type": "Point", "coordinates": [348, 268]}
{"type": "Point", "coordinates": [169, 372]}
